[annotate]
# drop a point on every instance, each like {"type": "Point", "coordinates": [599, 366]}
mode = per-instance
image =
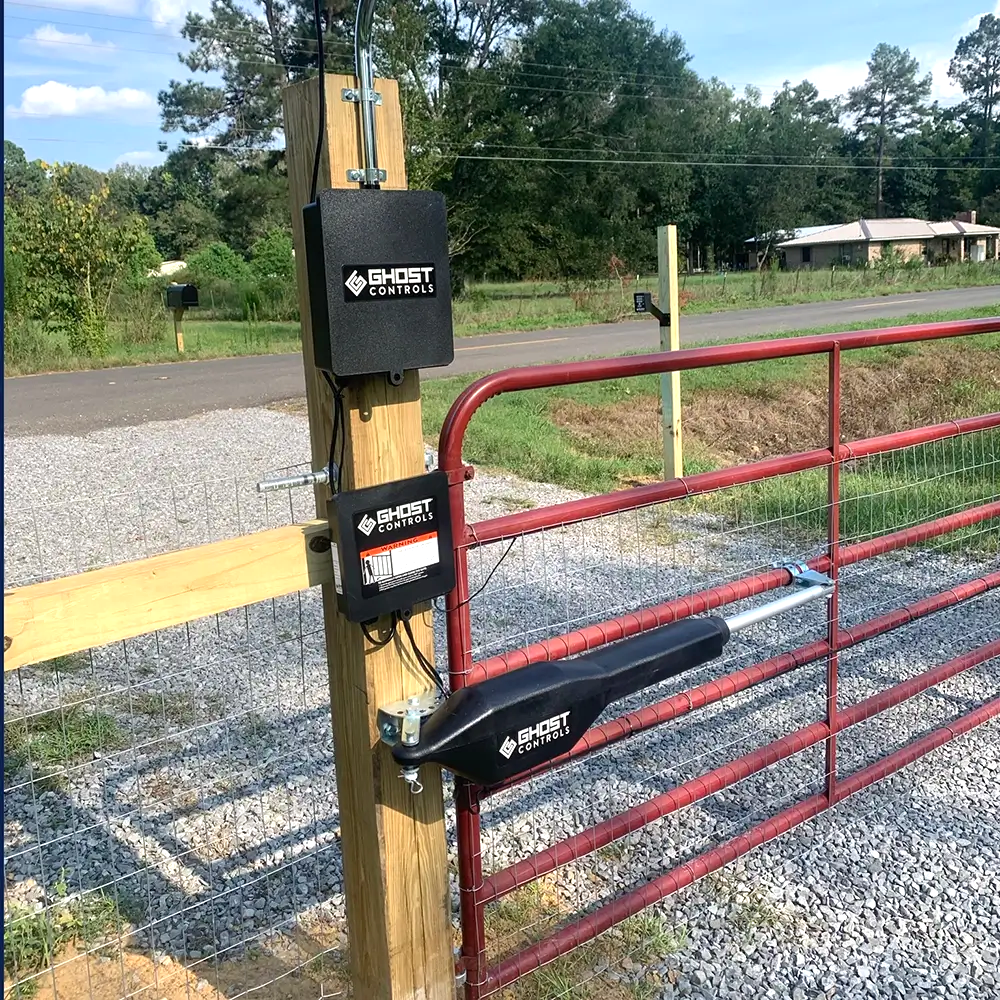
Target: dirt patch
{"type": "Point", "coordinates": [285, 972]}
{"type": "Point", "coordinates": [297, 406]}
{"type": "Point", "coordinates": [783, 417]}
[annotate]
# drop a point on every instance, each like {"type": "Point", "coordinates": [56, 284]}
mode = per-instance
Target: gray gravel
{"type": "Point", "coordinates": [214, 818]}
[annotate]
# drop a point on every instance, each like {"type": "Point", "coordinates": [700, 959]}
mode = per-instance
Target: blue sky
{"type": "Point", "coordinates": [81, 76]}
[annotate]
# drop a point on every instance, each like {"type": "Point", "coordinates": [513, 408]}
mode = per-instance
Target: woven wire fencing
{"type": "Point", "coordinates": [171, 826]}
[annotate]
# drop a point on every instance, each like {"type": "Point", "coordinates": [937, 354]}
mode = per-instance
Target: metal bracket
{"type": "Point", "coordinates": [353, 96]}
{"type": "Point", "coordinates": [358, 175]}
{"type": "Point", "coordinates": [390, 717]}
{"type": "Point", "coordinates": [803, 576]}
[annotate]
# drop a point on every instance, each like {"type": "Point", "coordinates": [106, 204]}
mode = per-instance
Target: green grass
{"type": "Point", "coordinates": [33, 939]}
{"type": "Point", "coordinates": [53, 740]}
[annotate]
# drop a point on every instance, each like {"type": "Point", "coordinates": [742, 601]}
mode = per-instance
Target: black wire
{"type": "Point", "coordinates": [428, 667]}
{"type": "Point", "coordinates": [379, 643]}
{"type": "Point", "coordinates": [339, 429]}
{"type": "Point", "coordinates": [486, 582]}
{"type": "Point", "coordinates": [318, 21]}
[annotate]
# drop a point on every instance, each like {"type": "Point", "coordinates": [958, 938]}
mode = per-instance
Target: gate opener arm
{"type": "Point", "coordinates": [492, 731]}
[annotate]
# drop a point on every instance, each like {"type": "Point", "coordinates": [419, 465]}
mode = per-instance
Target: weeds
{"type": "Point", "coordinates": [55, 740]}
{"type": "Point", "coordinates": [169, 705]}
{"type": "Point", "coordinates": [34, 938]}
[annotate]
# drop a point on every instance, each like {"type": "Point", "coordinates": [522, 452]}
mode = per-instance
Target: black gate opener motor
{"type": "Point", "coordinates": [496, 729]}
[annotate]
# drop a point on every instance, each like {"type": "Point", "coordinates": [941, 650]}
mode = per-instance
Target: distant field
{"type": "Point", "coordinates": [494, 308]}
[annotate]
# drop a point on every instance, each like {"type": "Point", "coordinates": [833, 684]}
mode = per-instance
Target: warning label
{"type": "Point", "coordinates": [395, 563]}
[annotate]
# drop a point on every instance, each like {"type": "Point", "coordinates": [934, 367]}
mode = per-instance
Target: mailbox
{"type": "Point", "coordinates": [182, 296]}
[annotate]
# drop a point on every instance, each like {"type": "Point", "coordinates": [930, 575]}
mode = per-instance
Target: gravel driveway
{"type": "Point", "coordinates": [210, 813]}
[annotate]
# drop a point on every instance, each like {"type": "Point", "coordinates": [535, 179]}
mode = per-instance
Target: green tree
{"type": "Point", "coordinates": [250, 52]}
{"type": "Point", "coordinates": [74, 254]}
{"type": "Point", "coordinates": [888, 105]}
{"type": "Point", "coordinates": [22, 179]}
{"type": "Point", "coordinates": [975, 67]}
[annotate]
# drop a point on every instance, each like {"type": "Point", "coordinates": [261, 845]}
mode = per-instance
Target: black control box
{"type": "Point", "coordinates": [379, 281]}
{"type": "Point", "coordinates": [394, 548]}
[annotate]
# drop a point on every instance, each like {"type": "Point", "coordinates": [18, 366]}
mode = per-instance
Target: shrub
{"type": "Point", "coordinates": [219, 261]}
{"type": "Point", "coordinates": [271, 256]}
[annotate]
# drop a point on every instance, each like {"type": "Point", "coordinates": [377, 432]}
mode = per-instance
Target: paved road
{"type": "Point", "coordinates": [77, 402]}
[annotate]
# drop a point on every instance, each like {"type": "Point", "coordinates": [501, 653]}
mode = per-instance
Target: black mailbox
{"type": "Point", "coordinates": [182, 296]}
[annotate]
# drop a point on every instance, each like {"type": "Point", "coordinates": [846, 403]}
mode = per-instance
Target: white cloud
{"type": "Point", "coordinates": [170, 14]}
{"type": "Point", "coordinates": [49, 40]}
{"type": "Point", "coordinates": [52, 99]}
{"type": "Point", "coordinates": [830, 79]}
{"type": "Point", "coordinates": [140, 158]}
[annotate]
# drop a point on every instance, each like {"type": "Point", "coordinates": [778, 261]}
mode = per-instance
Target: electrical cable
{"type": "Point", "coordinates": [486, 582]}
{"type": "Point", "coordinates": [336, 469]}
{"type": "Point", "coordinates": [379, 643]}
{"type": "Point", "coordinates": [426, 664]}
{"type": "Point", "coordinates": [320, 58]}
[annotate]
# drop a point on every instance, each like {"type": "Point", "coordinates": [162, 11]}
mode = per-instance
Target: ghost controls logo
{"type": "Point", "coordinates": [404, 515]}
{"type": "Point", "coordinates": [532, 737]}
{"type": "Point", "coordinates": [377, 282]}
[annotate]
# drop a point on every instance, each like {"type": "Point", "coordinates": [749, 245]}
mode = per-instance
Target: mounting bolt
{"type": "Point", "coordinates": [320, 543]}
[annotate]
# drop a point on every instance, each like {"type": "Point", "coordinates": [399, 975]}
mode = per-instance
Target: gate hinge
{"type": "Point", "coordinates": [803, 576]}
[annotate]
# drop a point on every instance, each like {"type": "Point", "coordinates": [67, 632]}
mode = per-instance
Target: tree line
{"type": "Point", "coordinates": [562, 135]}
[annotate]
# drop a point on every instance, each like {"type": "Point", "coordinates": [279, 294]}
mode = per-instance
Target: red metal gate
{"type": "Point", "coordinates": [478, 890]}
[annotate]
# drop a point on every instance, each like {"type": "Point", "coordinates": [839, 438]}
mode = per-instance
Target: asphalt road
{"type": "Point", "coordinates": [77, 402]}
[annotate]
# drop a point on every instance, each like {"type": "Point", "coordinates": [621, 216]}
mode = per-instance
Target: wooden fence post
{"type": "Point", "coordinates": [179, 330]}
{"type": "Point", "coordinates": [394, 844]}
{"type": "Point", "coordinates": [670, 382]}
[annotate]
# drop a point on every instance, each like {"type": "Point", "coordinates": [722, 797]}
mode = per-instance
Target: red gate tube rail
{"type": "Point", "coordinates": [592, 636]}
{"type": "Point", "coordinates": [587, 508]}
{"type": "Point", "coordinates": [601, 834]}
{"type": "Point", "coordinates": [711, 692]}
{"type": "Point", "coordinates": [589, 927]}
{"type": "Point", "coordinates": [600, 369]}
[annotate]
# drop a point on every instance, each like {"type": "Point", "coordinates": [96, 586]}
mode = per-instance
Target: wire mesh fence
{"type": "Point", "coordinates": [171, 819]}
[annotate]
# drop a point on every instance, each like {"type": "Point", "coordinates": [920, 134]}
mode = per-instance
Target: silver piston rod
{"type": "Point", "coordinates": [810, 586]}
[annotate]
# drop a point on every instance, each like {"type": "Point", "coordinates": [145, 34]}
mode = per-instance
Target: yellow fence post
{"type": "Point", "coordinates": [670, 382]}
{"type": "Point", "coordinates": [394, 844]}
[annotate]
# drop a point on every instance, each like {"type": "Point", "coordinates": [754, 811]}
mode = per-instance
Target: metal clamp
{"type": "Point", "coordinates": [400, 722]}
{"type": "Point", "coordinates": [318, 478]}
{"type": "Point", "coordinates": [804, 576]}
{"type": "Point", "coordinates": [352, 95]}
{"type": "Point", "coordinates": [358, 175]}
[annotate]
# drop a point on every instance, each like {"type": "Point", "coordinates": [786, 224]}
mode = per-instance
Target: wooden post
{"type": "Point", "coordinates": [670, 383]}
{"type": "Point", "coordinates": [394, 844]}
{"type": "Point", "coordinates": [179, 330]}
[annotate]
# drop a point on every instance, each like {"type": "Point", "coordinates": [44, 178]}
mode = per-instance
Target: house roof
{"type": "Point", "coordinates": [880, 230]}
{"type": "Point", "coordinates": [799, 232]}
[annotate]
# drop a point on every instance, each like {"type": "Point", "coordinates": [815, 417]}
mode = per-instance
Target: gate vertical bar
{"type": "Point", "coordinates": [394, 843]}
{"type": "Point", "coordinates": [833, 553]}
{"type": "Point", "coordinates": [467, 795]}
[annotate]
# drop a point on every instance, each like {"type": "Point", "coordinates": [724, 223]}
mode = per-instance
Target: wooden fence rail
{"type": "Point", "coordinates": [74, 613]}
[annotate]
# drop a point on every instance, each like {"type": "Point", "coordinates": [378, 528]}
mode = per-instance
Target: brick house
{"type": "Point", "coordinates": [861, 243]}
